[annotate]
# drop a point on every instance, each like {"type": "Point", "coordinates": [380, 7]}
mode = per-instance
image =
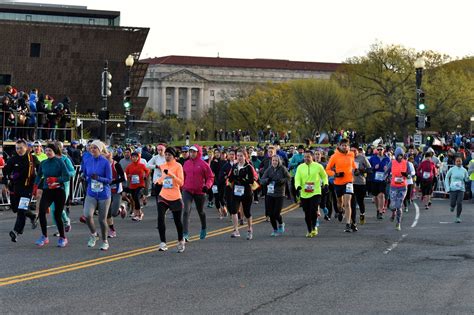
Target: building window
{"type": "Point", "coordinates": [91, 21]}
{"type": "Point", "coordinates": [211, 92]}
{"type": "Point", "coordinates": [28, 17]}
{"type": "Point", "coordinates": [35, 50]}
{"type": "Point", "coordinates": [5, 79]}
{"type": "Point", "coordinates": [168, 112]}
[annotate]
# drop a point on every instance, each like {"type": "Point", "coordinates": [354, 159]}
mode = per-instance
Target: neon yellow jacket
{"type": "Point", "coordinates": [313, 173]}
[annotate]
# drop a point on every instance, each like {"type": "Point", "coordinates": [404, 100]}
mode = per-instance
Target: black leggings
{"type": "Point", "coordinates": [358, 198]}
{"type": "Point", "coordinates": [310, 208]}
{"type": "Point", "coordinates": [275, 204]}
{"type": "Point", "coordinates": [162, 207]}
{"type": "Point", "coordinates": [21, 214]}
{"type": "Point", "coordinates": [246, 201]}
{"type": "Point", "coordinates": [49, 196]}
{"type": "Point", "coordinates": [219, 197]}
{"type": "Point", "coordinates": [331, 201]}
{"type": "Point", "coordinates": [136, 195]}
{"type": "Point", "coordinates": [407, 199]}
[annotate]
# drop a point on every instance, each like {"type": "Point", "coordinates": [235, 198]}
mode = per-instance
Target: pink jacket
{"type": "Point", "coordinates": [197, 174]}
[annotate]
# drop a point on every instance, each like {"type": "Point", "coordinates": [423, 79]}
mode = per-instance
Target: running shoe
{"type": "Point", "coordinates": [325, 211]}
{"type": "Point", "coordinates": [104, 246]}
{"type": "Point", "coordinates": [13, 236]}
{"type": "Point", "coordinates": [256, 202]}
{"type": "Point", "coordinates": [241, 221]}
{"type": "Point", "coordinates": [398, 227]}
{"type": "Point", "coordinates": [56, 234]}
{"type": "Point", "coordinates": [203, 234]}
{"type": "Point", "coordinates": [235, 234]}
{"type": "Point", "coordinates": [458, 220]}
{"type": "Point", "coordinates": [210, 205]}
{"type": "Point", "coordinates": [62, 242]}
{"type": "Point", "coordinates": [314, 232]}
{"type": "Point", "coordinates": [274, 233]}
{"type": "Point", "coordinates": [327, 218]}
{"type": "Point", "coordinates": [67, 226]}
{"type": "Point", "coordinates": [451, 209]}
{"type": "Point", "coordinates": [249, 235]}
{"type": "Point", "coordinates": [362, 219]}
{"type": "Point", "coordinates": [354, 227]}
{"type": "Point", "coordinates": [112, 234]}
{"type": "Point", "coordinates": [43, 240]}
{"type": "Point", "coordinates": [83, 219]}
{"type": "Point", "coordinates": [123, 212]}
{"type": "Point", "coordinates": [429, 204]}
{"type": "Point", "coordinates": [406, 209]}
{"type": "Point", "coordinates": [181, 247]}
{"type": "Point", "coordinates": [309, 235]}
{"type": "Point", "coordinates": [426, 207]}
{"type": "Point", "coordinates": [92, 240]}
{"type": "Point", "coordinates": [281, 228]}
{"type": "Point", "coordinates": [379, 216]}
{"type": "Point", "coordinates": [186, 237]}
{"type": "Point", "coordinates": [348, 228]}
{"type": "Point", "coordinates": [162, 247]}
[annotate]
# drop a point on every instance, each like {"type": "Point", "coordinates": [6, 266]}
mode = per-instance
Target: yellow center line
{"type": "Point", "coordinates": [111, 258]}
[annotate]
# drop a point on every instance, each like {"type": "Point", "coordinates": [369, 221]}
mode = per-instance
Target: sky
{"type": "Point", "coordinates": [302, 30]}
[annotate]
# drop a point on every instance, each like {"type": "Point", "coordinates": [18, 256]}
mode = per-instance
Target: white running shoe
{"type": "Point", "coordinates": [104, 246]}
{"type": "Point", "coordinates": [163, 247]}
{"type": "Point", "coordinates": [181, 247]}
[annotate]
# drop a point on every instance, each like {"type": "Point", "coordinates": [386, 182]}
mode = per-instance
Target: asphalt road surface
{"type": "Point", "coordinates": [427, 268]}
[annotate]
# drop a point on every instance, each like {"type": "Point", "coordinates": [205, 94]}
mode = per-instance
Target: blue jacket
{"type": "Point", "coordinates": [379, 165]}
{"type": "Point", "coordinates": [456, 179]}
{"type": "Point", "coordinates": [100, 187]}
{"type": "Point", "coordinates": [54, 167]}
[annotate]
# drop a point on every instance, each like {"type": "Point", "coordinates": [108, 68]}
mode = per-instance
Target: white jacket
{"type": "Point", "coordinates": [155, 161]}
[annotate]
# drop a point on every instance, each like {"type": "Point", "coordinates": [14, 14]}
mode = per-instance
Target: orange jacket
{"type": "Point", "coordinates": [341, 162]}
{"type": "Point", "coordinates": [174, 178]}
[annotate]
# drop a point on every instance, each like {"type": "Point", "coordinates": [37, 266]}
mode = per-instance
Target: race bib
{"type": "Point", "coordinates": [309, 187]}
{"type": "Point", "coordinates": [426, 175]}
{"type": "Point", "coordinates": [97, 186]}
{"type": "Point", "coordinates": [458, 185]}
{"type": "Point", "coordinates": [215, 189]}
{"type": "Point", "coordinates": [24, 203]}
{"type": "Point", "coordinates": [239, 190]}
{"type": "Point", "coordinates": [271, 188]}
{"type": "Point", "coordinates": [168, 183]}
{"type": "Point", "coordinates": [135, 179]}
{"type": "Point", "coordinates": [379, 176]}
{"type": "Point", "coordinates": [398, 180]}
{"type": "Point", "coordinates": [113, 188]}
{"type": "Point", "coordinates": [349, 188]}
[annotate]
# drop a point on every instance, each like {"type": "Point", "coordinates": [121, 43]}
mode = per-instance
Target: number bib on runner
{"type": "Point", "coordinates": [96, 186]}
{"type": "Point", "coordinates": [426, 175]}
{"type": "Point", "coordinates": [379, 176]}
{"type": "Point", "coordinates": [458, 185]}
{"type": "Point", "coordinates": [398, 180]}
{"type": "Point", "coordinates": [215, 189]}
{"type": "Point", "coordinates": [239, 190]}
{"type": "Point", "coordinates": [24, 203]}
{"type": "Point", "coordinates": [135, 179]}
{"type": "Point", "coordinates": [309, 187]}
{"type": "Point", "coordinates": [113, 188]}
{"type": "Point", "coordinates": [349, 188]}
{"type": "Point", "coordinates": [168, 183]}
{"type": "Point", "coordinates": [271, 188]}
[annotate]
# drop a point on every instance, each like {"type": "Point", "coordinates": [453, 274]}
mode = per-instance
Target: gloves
{"type": "Point", "coordinates": [299, 188]}
{"type": "Point", "coordinates": [356, 172]}
{"type": "Point", "coordinates": [52, 182]}
{"type": "Point", "coordinates": [325, 189]}
{"type": "Point", "coordinates": [165, 171]}
{"type": "Point", "coordinates": [340, 174]}
{"type": "Point", "coordinates": [404, 174]}
{"type": "Point", "coordinates": [204, 189]}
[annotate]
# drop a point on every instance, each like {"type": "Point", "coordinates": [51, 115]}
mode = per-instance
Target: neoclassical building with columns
{"type": "Point", "coordinates": [185, 85]}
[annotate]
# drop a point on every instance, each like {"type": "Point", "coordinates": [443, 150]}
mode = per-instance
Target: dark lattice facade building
{"type": "Point", "coordinates": [61, 51]}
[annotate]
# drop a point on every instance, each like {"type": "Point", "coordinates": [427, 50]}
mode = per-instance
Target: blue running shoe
{"type": "Point", "coordinates": [186, 237]}
{"type": "Point", "coordinates": [62, 242]}
{"type": "Point", "coordinates": [203, 234]}
{"type": "Point", "coordinates": [281, 228]}
{"type": "Point", "coordinates": [326, 211]}
{"type": "Point", "coordinates": [274, 233]}
{"type": "Point", "coordinates": [43, 240]}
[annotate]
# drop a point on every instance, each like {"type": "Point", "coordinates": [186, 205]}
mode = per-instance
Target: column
{"type": "Point", "coordinates": [163, 100]}
{"type": "Point", "coordinates": [176, 101]}
{"type": "Point", "coordinates": [200, 108]}
{"type": "Point", "coordinates": [188, 104]}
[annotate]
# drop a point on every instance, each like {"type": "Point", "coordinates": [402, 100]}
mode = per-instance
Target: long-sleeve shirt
{"type": "Point", "coordinates": [154, 165]}
{"type": "Point", "coordinates": [98, 188]}
{"type": "Point", "coordinates": [172, 182]}
{"type": "Point", "coordinates": [136, 174]}
{"type": "Point", "coordinates": [52, 167]}
{"type": "Point", "coordinates": [341, 162]}
{"type": "Point", "coordinates": [309, 178]}
{"type": "Point", "coordinates": [456, 179]}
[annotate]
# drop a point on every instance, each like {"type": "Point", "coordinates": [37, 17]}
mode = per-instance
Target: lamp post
{"type": "Point", "coordinates": [472, 120]}
{"type": "Point", "coordinates": [419, 66]}
{"type": "Point", "coordinates": [129, 64]}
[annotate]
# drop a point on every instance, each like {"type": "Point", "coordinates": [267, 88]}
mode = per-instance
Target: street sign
{"type": "Point", "coordinates": [417, 139]}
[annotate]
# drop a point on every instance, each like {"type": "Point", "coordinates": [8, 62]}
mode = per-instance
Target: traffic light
{"type": "Point", "coordinates": [420, 122]}
{"type": "Point", "coordinates": [106, 84]}
{"type": "Point", "coordinates": [421, 100]}
{"type": "Point", "coordinates": [127, 96]}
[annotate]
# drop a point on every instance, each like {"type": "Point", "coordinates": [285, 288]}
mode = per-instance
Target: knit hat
{"type": "Point", "coordinates": [99, 144]}
{"type": "Point", "coordinates": [399, 151]}
{"type": "Point", "coordinates": [171, 151]}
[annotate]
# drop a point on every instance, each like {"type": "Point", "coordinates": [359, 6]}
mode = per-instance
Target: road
{"type": "Point", "coordinates": [425, 268]}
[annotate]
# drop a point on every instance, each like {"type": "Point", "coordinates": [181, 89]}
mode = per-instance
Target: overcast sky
{"type": "Point", "coordinates": [307, 30]}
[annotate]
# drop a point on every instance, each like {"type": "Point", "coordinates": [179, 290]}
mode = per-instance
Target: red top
{"type": "Point", "coordinates": [136, 173]}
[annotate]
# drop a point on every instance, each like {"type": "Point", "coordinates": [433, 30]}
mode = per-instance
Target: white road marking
{"type": "Point", "coordinates": [394, 245]}
{"type": "Point", "coordinates": [417, 215]}
{"type": "Point", "coordinates": [446, 222]}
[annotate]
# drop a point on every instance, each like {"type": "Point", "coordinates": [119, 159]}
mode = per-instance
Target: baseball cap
{"type": "Point", "coordinates": [193, 148]}
{"type": "Point", "coordinates": [185, 149]}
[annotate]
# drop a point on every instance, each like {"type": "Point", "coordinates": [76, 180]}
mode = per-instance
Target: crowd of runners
{"type": "Point", "coordinates": [328, 183]}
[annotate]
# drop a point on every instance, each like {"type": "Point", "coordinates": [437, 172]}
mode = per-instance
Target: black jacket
{"type": "Point", "coordinates": [21, 171]}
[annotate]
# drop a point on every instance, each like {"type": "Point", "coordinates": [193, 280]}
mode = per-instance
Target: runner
{"type": "Point", "coordinates": [264, 165]}
{"type": "Point", "coordinates": [136, 173]}
{"type": "Point", "coordinates": [217, 164]}
{"type": "Point", "coordinates": [341, 165]}
{"type": "Point", "coordinates": [154, 165]}
{"type": "Point", "coordinates": [275, 179]}
{"type": "Point", "coordinates": [426, 172]}
{"type": "Point", "coordinates": [223, 179]}
{"type": "Point", "coordinates": [308, 179]}
{"type": "Point", "coordinates": [411, 173]}
{"type": "Point", "coordinates": [126, 196]}
{"type": "Point", "coordinates": [360, 190]}
{"type": "Point", "coordinates": [198, 179]}
{"type": "Point", "coordinates": [98, 174]}
{"type": "Point", "coordinates": [295, 161]}
{"type": "Point", "coordinates": [118, 177]}
{"type": "Point", "coordinates": [51, 176]}
{"type": "Point", "coordinates": [398, 171]}
{"type": "Point", "coordinates": [241, 177]}
{"type": "Point", "coordinates": [171, 179]}
{"type": "Point", "coordinates": [455, 183]}
{"type": "Point", "coordinates": [378, 187]}
{"type": "Point", "coordinates": [21, 170]}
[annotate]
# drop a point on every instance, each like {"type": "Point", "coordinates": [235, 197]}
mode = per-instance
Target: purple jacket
{"type": "Point", "coordinates": [197, 174]}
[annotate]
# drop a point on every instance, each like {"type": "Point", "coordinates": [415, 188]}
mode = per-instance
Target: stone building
{"type": "Point", "coordinates": [185, 85]}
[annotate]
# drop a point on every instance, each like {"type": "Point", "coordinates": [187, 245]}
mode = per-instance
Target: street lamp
{"type": "Point", "coordinates": [472, 120]}
{"type": "Point", "coordinates": [420, 118]}
{"type": "Point", "coordinates": [129, 64]}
